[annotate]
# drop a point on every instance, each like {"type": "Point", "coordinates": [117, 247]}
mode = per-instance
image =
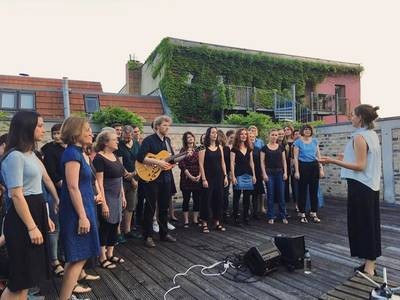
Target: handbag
{"type": "Point", "coordinates": [244, 183]}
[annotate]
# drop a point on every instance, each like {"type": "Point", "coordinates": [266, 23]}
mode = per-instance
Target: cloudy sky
{"type": "Point", "coordinates": [92, 39]}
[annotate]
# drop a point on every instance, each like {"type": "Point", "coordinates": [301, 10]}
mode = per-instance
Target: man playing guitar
{"type": "Point", "coordinates": [157, 191]}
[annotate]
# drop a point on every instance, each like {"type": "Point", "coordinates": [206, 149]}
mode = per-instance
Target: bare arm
{"type": "Point", "coordinates": [223, 161]}
{"type": "Point", "coordinates": [72, 177]}
{"type": "Point", "coordinates": [360, 151]}
{"type": "Point", "coordinates": [21, 207]}
{"type": "Point", "coordinates": [223, 166]}
{"type": "Point", "coordinates": [296, 162]}
{"type": "Point", "coordinates": [284, 165]}
{"type": "Point", "coordinates": [233, 157]}
{"type": "Point", "coordinates": [202, 154]}
{"type": "Point", "coordinates": [252, 166]}
{"type": "Point", "coordinates": [262, 161]}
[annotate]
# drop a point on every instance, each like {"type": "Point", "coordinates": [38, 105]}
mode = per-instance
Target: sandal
{"type": "Point", "coordinates": [106, 264]}
{"type": "Point", "coordinates": [186, 225]}
{"type": "Point", "coordinates": [80, 289]}
{"type": "Point", "coordinates": [205, 229]}
{"type": "Point", "coordinates": [58, 270]}
{"type": "Point", "coordinates": [271, 221]}
{"type": "Point", "coordinates": [116, 259]}
{"type": "Point", "coordinates": [89, 277]}
{"type": "Point", "coordinates": [361, 269]}
{"type": "Point", "coordinates": [315, 219]}
{"type": "Point", "coordinates": [219, 227]}
{"type": "Point", "coordinates": [303, 220]}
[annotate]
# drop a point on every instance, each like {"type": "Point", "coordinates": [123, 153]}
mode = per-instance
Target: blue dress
{"type": "Point", "coordinates": [78, 247]}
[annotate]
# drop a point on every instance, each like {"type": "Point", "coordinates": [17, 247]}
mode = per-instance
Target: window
{"type": "Point", "coordinates": [91, 104]}
{"type": "Point", "coordinates": [16, 100]}
{"type": "Point", "coordinates": [27, 101]}
{"type": "Point", "coordinates": [8, 100]}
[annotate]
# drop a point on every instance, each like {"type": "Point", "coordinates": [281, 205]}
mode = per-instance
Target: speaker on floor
{"type": "Point", "coordinates": [262, 259]}
{"type": "Point", "coordinates": [292, 251]}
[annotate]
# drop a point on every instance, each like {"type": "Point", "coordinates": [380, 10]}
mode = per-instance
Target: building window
{"type": "Point", "coordinates": [26, 101]}
{"type": "Point", "coordinates": [91, 104]}
{"type": "Point", "coordinates": [11, 100]}
{"type": "Point", "coordinates": [8, 100]}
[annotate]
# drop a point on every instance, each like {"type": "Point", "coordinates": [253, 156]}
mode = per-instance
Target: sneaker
{"type": "Point", "coordinates": [121, 239]}
{"type": "Point", "coordinates": [170, 226]}
{"type": "Point", "coordinates": [156, 228]}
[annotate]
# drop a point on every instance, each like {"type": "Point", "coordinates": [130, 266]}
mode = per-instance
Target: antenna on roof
{"type": "Point", "coordinates": [131, 56]}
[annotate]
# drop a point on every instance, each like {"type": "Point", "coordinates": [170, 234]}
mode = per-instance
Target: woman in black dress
{"type": "Point", "coordinates": [213, 176]}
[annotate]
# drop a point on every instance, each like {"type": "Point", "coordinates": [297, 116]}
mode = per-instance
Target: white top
{"type": "Point", "coordinates": [372, 173]}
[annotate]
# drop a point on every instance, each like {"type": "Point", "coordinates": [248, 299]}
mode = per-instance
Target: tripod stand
{"type": "Point", "coordinates": [381, 292]}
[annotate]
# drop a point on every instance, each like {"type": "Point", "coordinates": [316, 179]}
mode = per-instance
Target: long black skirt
{"type": "Point", "coordinates": [28, 263]}
{"type": "Point", "coordinates": [363, 220]}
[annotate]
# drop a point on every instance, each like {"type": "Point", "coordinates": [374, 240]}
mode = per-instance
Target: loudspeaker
{"type": "Point", "coordinates": [292, 250]}
{"type": "Point", "coordinates": [262, 259]}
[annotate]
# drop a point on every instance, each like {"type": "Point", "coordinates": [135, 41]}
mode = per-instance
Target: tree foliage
{"type": "Point", "coordinates": [114, 114]}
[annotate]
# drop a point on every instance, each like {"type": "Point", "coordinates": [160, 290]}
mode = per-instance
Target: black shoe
{"type": "Point", "coordinates": [237, 223]}
{"type": "Point", "coordinates": [149, 243]}
{"type": "Point", "coordinates": [168, 238]}
{"type": "Point", "coordinates": [361, 269]}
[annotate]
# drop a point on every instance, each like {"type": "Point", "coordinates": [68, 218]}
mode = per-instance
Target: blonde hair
{"type": "Point", "coordinates": [72, 129]}
{"type": "Point", "coordinates": [158, 121]}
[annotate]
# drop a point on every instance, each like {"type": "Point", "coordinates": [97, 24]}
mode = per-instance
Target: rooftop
{"type": "Point", "coordinates": [148, 274]}
{"type": "Point", "coordinates": [187, 43]}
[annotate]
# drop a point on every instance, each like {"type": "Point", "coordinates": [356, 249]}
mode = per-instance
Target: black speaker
{"type": "Point", "coordinates": [292, 250]}
{"type": "Point", "coordinates": [262, 259]}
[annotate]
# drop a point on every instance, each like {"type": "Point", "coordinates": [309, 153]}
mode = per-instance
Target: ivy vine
{"type": "Point", "coordinates": [200, 99]}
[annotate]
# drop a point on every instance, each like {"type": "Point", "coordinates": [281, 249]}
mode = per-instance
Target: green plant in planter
{"type": "Point", "coordinates": [114, 114]}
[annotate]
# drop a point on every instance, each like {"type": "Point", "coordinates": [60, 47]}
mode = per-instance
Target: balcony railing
{"type": "Point", "coordinates": [251, 98]}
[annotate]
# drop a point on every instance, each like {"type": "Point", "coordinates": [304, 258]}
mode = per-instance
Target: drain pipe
{"type": "Point", "coordinates": [66, 97]}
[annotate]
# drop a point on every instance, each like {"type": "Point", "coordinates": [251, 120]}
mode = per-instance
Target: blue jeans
{"type": "Point", "coordinates": [275, 190]}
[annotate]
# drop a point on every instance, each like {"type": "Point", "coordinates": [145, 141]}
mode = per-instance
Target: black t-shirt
{"type": "Point", "coordinates": [128, 154]}
{"type": "Point", "coordinates": [242, 162]}
{"type": "Point", "coordinates": [273, 159]}
{"type": "Point", "coordinates": [111, 169]}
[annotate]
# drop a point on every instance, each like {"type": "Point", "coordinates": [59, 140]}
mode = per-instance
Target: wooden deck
{"type": "Point", "coordinates": [148, 273]}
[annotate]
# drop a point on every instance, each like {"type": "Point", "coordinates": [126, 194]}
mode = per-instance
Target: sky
{"type": "Point", "coordinates": [92, 39]}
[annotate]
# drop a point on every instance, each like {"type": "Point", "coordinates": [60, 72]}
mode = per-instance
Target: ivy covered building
{"type": "Point", "coordinates": [201, 82]}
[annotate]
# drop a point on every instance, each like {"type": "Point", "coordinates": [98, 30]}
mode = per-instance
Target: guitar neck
{"type": "Point", "coordinates": [173, 158]}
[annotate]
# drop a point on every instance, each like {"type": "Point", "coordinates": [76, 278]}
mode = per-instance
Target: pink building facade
{"type": "Point", "coordinates": [347, 87]}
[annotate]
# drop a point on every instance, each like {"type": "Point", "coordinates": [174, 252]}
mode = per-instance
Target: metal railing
{"type": "Point", "coordinates": [251, 98]}
{"type": "Point", "coordinates": [285, 109]}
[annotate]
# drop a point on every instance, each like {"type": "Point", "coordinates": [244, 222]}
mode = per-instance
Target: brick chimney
{"type": "Point", "coordinates": [133, 77]}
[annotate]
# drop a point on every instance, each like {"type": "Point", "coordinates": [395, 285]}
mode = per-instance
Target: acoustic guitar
{"type": "Point", "coordinates": [151, 172]}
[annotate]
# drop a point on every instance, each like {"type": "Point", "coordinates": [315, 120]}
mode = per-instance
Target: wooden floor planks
{"type": "Point", "coordinates": [148, 273]}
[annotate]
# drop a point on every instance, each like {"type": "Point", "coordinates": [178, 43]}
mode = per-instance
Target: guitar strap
{"type": "Point", "coordinates": [168, 144]}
